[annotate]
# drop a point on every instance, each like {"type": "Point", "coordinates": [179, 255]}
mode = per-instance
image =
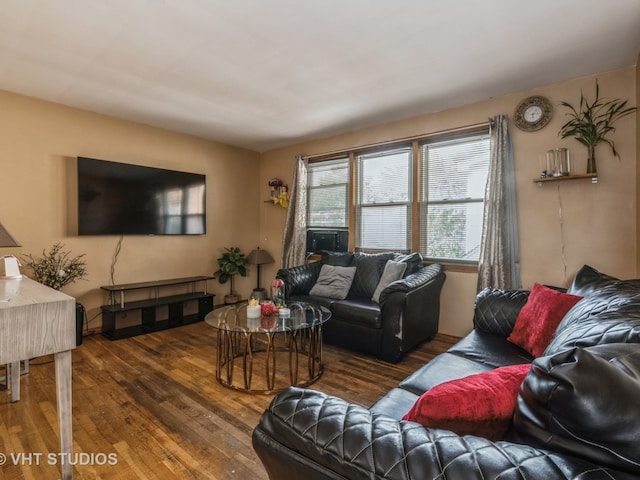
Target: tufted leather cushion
{"type": "Point", "coordinates": [329, 438]}
{"type": "Point", "coordinates": [430, 274]}
{"type": "Point", "coordinates": [610, 314]}
{"type": "Point", "coordinates": [369, 268]}
{"type": "Point", "coordinates": [496, 310]}
{"type": "Point", "coordinates": [413, 261]}
{"type": "Point", "coordinates": [589, 280]}
{"type": "Point", "coordinates": [564, 408]}
{"type": "Point", "coordinates": [299, 280]}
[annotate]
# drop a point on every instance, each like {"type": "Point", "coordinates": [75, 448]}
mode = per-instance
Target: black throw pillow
{"type": "Point", "coordinates": [588, 279]}
{"type": "Point", "coordinates": [585, 403]}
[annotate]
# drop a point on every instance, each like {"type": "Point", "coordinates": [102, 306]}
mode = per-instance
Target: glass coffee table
{"type": "Point", "coordinates": [286, 350]}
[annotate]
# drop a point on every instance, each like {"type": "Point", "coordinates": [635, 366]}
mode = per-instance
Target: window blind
{"type": "Point", "coordinates": [453, 181]}
{"type": "Point", "coordinates": [383, 206]}
{"type": "Point", "coordinates": [327, 190]}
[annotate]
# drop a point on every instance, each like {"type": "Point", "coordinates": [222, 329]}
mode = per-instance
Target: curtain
{"type": "Point", "coordinates": [294, 241]}
{"type": "Point", "coordinates": [499, 264]}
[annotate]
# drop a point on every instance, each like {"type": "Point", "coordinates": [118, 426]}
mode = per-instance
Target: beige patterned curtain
{"type": "Point", "coordinates": [499, 265]}
{"type": "Point", "coordinates": [294, 241]}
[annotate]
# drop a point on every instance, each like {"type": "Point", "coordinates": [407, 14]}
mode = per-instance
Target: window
{"type": "Point", "coordinates": [454, 177]}
{"type": "Point", "coordinates": [423, 194]}
{"type": "Point", "coordinates": [383, 211]}
{"type": "Point", "coordinates": [327, 184]}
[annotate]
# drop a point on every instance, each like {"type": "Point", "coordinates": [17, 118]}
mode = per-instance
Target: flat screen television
{"type": "Point", "coordinates": [123, 199]}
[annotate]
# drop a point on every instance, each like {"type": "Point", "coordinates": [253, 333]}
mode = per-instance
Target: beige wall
{"type": "Point", "coordinates": [597, 225]}
{"type": "Point", "coordinates": [38, 142]}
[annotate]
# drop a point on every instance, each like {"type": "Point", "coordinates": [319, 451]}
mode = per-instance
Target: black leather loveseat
{"type": "Point", "coordinates": [577, 413]}
{"type": "Point", "coordinates": [405, 314]}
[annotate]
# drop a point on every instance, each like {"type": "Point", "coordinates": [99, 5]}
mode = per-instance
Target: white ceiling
{"type": "Point", "coordinates": [267, 73]}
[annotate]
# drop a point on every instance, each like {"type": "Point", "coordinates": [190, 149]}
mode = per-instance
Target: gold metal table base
{"type": "Point", "coordinates": [304, 345]}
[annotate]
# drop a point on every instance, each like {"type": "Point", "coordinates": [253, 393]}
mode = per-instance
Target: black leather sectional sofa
{"type": "Point", "coordinates": [577, 414]}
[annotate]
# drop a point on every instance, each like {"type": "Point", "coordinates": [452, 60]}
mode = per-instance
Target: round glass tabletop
{"type": "Point", "coordinates": [298, 316]}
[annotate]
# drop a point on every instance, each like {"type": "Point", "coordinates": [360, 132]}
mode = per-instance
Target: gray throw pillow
{"type": "Point", "coordinates": [333, 282]}
{"type": "Point", "coordinates": [392, 271]}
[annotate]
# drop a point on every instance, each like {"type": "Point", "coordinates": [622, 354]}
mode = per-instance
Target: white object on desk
{"type": "Point", "coordinates": [36, 321]}
{"type": "Point", "coordinates": [10, 267]}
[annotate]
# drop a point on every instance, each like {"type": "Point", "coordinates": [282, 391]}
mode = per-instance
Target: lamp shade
{"type": "Point", "coordinates": [259, 257]}
{"type": "Point", "coordinates": [6, 240]}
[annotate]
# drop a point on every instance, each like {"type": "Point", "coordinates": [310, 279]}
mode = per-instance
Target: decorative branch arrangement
{"type": "Point", "coordinates": [56, 269]}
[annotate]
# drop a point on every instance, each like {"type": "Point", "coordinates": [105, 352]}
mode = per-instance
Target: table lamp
{"type": "Point", "coordinates": [10, 265]}
{"type": "Point", "coordinates": [259, 257]}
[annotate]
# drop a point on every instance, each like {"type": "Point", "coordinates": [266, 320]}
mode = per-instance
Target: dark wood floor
{"type": "Point", "coordinates": [149, 407]}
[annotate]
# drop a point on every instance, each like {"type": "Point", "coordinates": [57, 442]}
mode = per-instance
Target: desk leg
{"type": "Point", "coordinates": [63, 392]}
{"type": "Point", "coordinates": [13, 379]}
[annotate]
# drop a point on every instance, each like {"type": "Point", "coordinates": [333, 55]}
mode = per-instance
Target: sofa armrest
{"type": "Point", "coordinates": [299, 280]}
{"type": "Point", "coordinates": [425, 276]}
{"type": "Point", "coordinates": [410, 310]}
{"type": "Point", "coordinates": [305, 434]}
{"type": "Point", "coordinates": [496, 310]}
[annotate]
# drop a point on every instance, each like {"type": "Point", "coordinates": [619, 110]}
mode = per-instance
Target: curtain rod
{"type": "Point", "coordinates": [467, 128]}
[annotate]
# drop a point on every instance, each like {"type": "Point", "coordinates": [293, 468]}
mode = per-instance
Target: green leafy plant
{"type": "Point", "coordinates": [591, 123]}
{"type": "Point", "coordinates": [231, 263]}
{"type": "Point", "coordinates": [56, 268]}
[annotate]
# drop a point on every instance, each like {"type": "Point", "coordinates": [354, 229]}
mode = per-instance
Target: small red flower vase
{"type": "Point", "coordinates": [268, 321]}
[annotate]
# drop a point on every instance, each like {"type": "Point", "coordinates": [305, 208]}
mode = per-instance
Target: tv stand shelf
{"type": "Point", "coordinates": [149, 307]}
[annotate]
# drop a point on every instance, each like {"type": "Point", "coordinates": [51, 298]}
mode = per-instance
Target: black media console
{"type": "Point", "coordinates": [150, 320]}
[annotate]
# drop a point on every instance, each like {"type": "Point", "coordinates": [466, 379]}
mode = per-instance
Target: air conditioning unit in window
{"type": "Point", "coordinates": [328, 240]}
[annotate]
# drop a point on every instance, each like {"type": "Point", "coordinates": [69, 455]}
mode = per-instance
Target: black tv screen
{"type": "Point", "coordinates": [123, 199]}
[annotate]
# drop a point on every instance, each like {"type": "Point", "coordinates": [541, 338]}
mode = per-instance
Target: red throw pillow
{"type": "Point", "coordinates": [480, 404]}
{"type": "Point", "coordinates": [539, 318]}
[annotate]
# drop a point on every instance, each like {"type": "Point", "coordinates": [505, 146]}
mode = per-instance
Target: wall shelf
{"type": "Point", "coordinates": [541, 180]}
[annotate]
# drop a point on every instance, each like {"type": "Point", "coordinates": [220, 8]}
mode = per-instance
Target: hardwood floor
{"type": "Point", "coordinates": [149, 407]}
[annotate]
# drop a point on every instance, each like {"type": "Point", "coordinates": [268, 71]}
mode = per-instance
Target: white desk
{"type": "Point", "coordinates": [36, 320]}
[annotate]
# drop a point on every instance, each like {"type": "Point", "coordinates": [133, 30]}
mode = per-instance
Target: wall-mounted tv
{"type": "Point", "coordinates": [123, 199]}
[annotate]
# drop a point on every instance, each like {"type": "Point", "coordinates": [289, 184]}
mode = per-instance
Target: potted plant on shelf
{"type": "Point", "coordinates": [592, 122]}
{"type": "Point", "coordinates": [231, 263]}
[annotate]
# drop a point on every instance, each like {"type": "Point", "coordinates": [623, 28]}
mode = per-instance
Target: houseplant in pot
{"type": "Point", "coordinates": [56, 269]}
{"type": "Point", "coordinates": [231, 263]}
{"type": "Point", "coordinates": [591, 123]}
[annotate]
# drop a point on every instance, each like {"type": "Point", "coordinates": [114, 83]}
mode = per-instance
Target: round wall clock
{"type": "Point", "coordinates": [533, 113]}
